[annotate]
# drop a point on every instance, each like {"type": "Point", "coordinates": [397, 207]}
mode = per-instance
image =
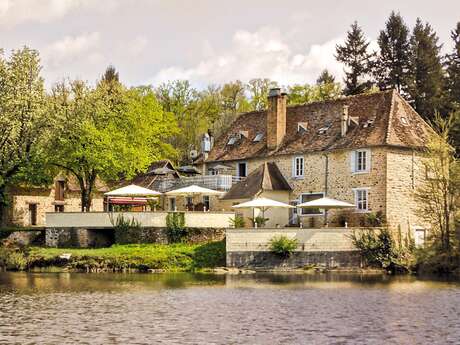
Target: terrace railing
{"type": "Point", "coordinates": [216, 182]}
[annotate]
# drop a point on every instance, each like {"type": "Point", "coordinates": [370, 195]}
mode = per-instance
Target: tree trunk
{"type": "Point", "coordinates": [3, 204]}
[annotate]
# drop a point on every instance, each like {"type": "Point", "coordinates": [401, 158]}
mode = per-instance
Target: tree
{"type": "Point", "coordinates": [106, 134]}
{"type": "Point", "coordinates": [392, 62]}
{"type": "Point", "coordinates": [258, 92]}
{"type": "Point", "coordinates": [23, 120]}
{"type": "Point", "coordinates": [303, 94]}
{"type": "Point", "coordinates": [357, 60]}
{"type": "Point", "coordinates": [439, 197]}
{"type": "Point", "coordinates": [325, 78]}
{"type": "Point", "coordinates": [425, 85]}
{"type": "Point", "coordinates": [110, 75]}
{"type": "Point", "coordinates": [453, 70]}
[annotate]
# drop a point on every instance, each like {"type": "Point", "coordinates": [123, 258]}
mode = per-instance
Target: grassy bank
{"type": "Point", "coordinates": [139, 257]}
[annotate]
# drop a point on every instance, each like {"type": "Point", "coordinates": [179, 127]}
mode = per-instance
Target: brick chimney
{"type": "Point", "coordinates": [276, 117]}
{"type": "Point", "coordinates": [344, 121]}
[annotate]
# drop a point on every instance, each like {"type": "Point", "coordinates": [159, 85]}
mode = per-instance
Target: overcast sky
{"type": "Point", "coordinates": [205, 41]}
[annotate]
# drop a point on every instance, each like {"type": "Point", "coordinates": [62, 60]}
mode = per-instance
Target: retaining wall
{"type": "Point", "coordinates": [331, 247]}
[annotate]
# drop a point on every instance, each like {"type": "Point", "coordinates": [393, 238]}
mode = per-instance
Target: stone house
{"type": "Point", "coordinates": [364, 149]}
{"type": "Point", "coordinates": [28, 205]}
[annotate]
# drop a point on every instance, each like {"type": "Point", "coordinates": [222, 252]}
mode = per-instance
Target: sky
{"type": "Point", "coordinates": [204, 41]}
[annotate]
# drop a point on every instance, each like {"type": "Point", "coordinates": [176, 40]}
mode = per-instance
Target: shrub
{"type": "Point", "coordinates": [283, 246]}
{"type": "Point", "coordinates": [260, 221]}
{"type": "Point", "coordinates": [12, 259]}
{"type": "Point", "coordinates": [127, 230]}
{"type": "Point", "coordinates": [175, 222]}
{"type": "Point", "coordinates": [375, 219]}
{"type": "Point", "coordinates": [237, 222]}
{"type": "Point", "coordinates": [379, 248]}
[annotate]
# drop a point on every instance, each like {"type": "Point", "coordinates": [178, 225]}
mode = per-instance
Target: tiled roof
{"type": "Point", "coordinates": [379, 123]}
{"type": "Point", "coordinates": [265, 178]}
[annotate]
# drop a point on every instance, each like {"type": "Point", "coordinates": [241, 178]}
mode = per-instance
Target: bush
{"type": "Point", "coordinates": [175, 222]}
{"type": "Point", "coordinates": [375, 219]}
{"type": "Point", "coordinates": [237, 222]}
{"type": "Point", "coordinates": [12, 259]}
{"type": "Point", "coordinates": [379, 248]}
{"type": "Point", "coordinates": [260, 221]}
{"type": "Point", "coordinates": [127, 230]}
{"type": "Point", "coordinates": [283, 246]}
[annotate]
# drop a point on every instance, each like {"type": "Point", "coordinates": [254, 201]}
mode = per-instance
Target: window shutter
{"type": "Point", "coordinates": [353, 161]}
{"type": "Point", "coordinates": [368, 160]}
{"type": "Point", "coordinates": [293, 167]}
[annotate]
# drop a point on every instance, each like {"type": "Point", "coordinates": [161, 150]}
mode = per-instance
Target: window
{"type": "Point", "coordinates": [232, 140]}
{"type": "Point", "coordinates": [420, 237]}
{"type": "Point", "coordinates": [297, 167]}
{"type": "Point", "coordinates": [58, 208]}
{"type": "Point", "coordinates": [258, 137]}
{"type": "Point", "coordinates": [59, 190]}
{"type": "Point", "coordinates": [172, 204]}
{"type": "Point", "coordinates": [189, 202]}
{"type": "Point", "coordinates": [206, 202]}
{"type": "Point", "coordinates": [213, 172]}
{"type": "Point", "coordinates": [302, 127]}
{"type": "Point", "coordinates": [242, 169]}
{"type": "Point", "coordinates": [361, 199]}
{"type": "Point", "coordinates": [361, 161]}
{"type": "Point", "coordinates": [33, 214]}
{"type": "Point", "coordinates": [309, 197]}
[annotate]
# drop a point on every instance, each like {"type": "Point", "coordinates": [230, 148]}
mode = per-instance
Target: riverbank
{"type": "Point", "coordinates": [178, 257]}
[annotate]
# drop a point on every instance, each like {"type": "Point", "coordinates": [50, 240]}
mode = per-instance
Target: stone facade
{"type": "Point", "coordinates": [391, 181]}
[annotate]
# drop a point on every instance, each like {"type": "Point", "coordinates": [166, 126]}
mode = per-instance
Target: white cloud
{"type": "Point", "coordinates": [13, 12]}
{"type": "Point", "coordinates": [264, 53]}
{"type": "Point", "coordinates": [72, 48]}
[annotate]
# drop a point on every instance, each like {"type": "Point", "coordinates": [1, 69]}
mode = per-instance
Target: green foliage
{"type": "Point", "coordinates": [355, 56]}
{"type": "Point", "coordinates": [379, 248]}
{"type": "Point", "coordinates": [106, 132]}
{"type": "Point", "coordinates": [283, 246]}
{"type": "Point", "coordinates": [375, 219]}
{"type": "Point", "coordinates": [426, 76]}
{"type": "Point", "coordinates": [173, 257]}
{"type": "Point", "coordinates": [260, 221]}
{"type": "Point", "coordinates": [13, 259]}
{"type": "Point", "coordinates": [127, 230]}
{"type": "Point", "coordinates": [302, 94]}
{"type": "Point", "coordinates": [393, 62]}
{"type": "Point", "coordinates": [175, 222]}
{"type": "Point", "coordinates": [237, 221]}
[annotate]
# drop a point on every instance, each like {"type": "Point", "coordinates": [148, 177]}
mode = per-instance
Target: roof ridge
{"type": "Point", "coordinates": [390, 117]}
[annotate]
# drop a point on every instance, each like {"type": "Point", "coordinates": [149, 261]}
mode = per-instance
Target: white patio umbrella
{"type": "Point", "coordinates": [193, 190]}
{"type": "Point", "coordinates": [133, 190]}
{"type": "Point", "coordinates": [262, 204]}
{"type": "Point", "coordinates": [326, 204]}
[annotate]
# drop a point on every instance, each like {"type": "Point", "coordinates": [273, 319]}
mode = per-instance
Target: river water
{"type": "Point", "coordinates": [72, 308]}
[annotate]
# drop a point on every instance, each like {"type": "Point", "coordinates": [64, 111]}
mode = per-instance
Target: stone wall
{"type": "Point", "coordinates": [84, 238]}
{"type": "Point", "coordinates": [323, 247]}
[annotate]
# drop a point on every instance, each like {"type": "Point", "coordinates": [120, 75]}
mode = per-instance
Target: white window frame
{"type": "Point", "coordinates": [171, 207]}
{"type": "Point", "coordinates": [355, 161]}
{"type": "Point", "coordinates": [303, 210]}
{"type": "Point", "coordinates": [356, 192]}
{"type": "Point", "coordinates": [298, 171]}
{"type": "Point", "coordinates": [417, 228]}
{"type": "Point", "coordinates": [208, 201]}
{"type": "Point", "coordinates": [238, 169]}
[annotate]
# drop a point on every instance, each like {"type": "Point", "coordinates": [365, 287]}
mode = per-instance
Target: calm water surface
{"type": "Point", "coordinates": [48, 308]}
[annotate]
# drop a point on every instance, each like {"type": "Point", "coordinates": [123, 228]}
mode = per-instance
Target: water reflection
{"type": "Point", "coordinates": [263, 308]}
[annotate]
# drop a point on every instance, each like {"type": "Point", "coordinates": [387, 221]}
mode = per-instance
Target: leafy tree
{"type": "Point", "coordinates": [392, 62]}
{"type": "Point", "coordinates": [110, 75]}
{"type": "Point", "coordinates": [106, 133]}
{"type": "Point", "coordinates": [303, 94]}
{"type": "Point", "coordinates": [357, 60]}
{"type": "Point", "coordinates": [425, 86]}
{"type": "Point", "coordinates": [23, 120]}
{"type": "Point", "coordinates": [439, 197]}
{"type": "Point", "coordinates": [258, 92]}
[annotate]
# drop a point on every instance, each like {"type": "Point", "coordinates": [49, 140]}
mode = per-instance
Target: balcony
{"type": "Point", "coordinates": [216, 182]}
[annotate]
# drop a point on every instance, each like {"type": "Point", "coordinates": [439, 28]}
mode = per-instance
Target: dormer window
{"type": "Point", "coordinates": [232, 141]}
{"type": "Point", "coordinates": [258, 137]}
{"type": "Point", "coordinates": [243, 134]}
{"type": "Point", "coordinates": [302, 127]}
{"type": "Point", "coordinates": [324, 129]}
{"type": "Point", "coordinates": [368, 123]}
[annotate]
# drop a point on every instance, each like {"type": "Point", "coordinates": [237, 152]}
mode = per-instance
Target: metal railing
{"type": "Point", "coordinates": [216, 182]}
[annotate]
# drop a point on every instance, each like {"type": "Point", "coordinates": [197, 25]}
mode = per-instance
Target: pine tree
{"type": "Point", "coordinates": [354, 54]}
{"type": "Point", "coordinates": [453, 71]}
{"type": "Point", "coordinates": [110, 75]}
{"type": "Point", "coordinates": [325, 78]}
{"type": "Point", "coordinates": [426, 79]}
{"type": "Point", "coordinates": [393, 59]}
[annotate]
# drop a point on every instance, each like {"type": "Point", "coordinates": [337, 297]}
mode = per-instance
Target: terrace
{"type": "Point", "coordinates": [216, 182]}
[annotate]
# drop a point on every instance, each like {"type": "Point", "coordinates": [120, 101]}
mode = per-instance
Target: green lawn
{"type": "Point", "coordinates": [172, 257]}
